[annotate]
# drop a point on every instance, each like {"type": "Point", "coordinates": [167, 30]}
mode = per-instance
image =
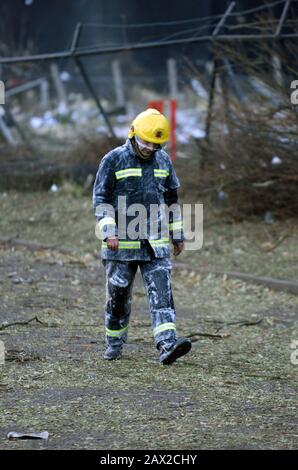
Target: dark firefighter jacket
{"type": "Point", "coordinates": [148, 182]}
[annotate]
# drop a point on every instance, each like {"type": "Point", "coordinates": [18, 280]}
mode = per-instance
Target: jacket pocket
{"type": "Point", "coordinates": [128, 185]}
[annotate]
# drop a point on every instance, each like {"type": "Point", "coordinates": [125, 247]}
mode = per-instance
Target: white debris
{"type": "Point", "coordinates": [199, 133]}
{"type": "Point", "coordinates": [54, 188]}
{"type": "Point", "coordinates": [101, 129]}
{"type": "Point", "coordinates": [65, 76]}
{"type": "Point", "coordinates": [121, 132]}
{"type": "Point", "coordinates": [47, 115]}
{"type": "Point", "coordinates": [189, 125]}
{"type": "Point", "coordinates": [62, 108]}
{"type": "Point", "coordinates": [263, 184]}
{"type": "Point", "coordinates": [22, 280]}
{"type": "Point", "coordinates": [198, 88]}
{"type": "Point", "coordinates": [222, 195]}
{"type": "Point", "coordinates": [28, 435]}
{"type": "Point", "coordinates": [36, 122]}
{"type": "Point", "coordinates": [122, 119]}
{"type": "Point", "coordinates": [284, 140]}
{"type": "Point", "coordinates": [268, 218]}
{"type": "Point", "coordinates": [183, 139]}
{"type": "Point", "coordinates": [276, 160]}
{"type": "Point", "coordinates": [48, 119]}
{"type": "Point", "coordinates": [75, 116]}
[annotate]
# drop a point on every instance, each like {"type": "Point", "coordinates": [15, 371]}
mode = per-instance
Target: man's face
{"type": "Point", "coordinates": [145, 148]}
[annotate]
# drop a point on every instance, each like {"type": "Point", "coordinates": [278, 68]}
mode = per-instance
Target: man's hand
{"type": "Point", "coordinates": [113, 243]}
{"type": "Point", "coordinates": [178, 247]}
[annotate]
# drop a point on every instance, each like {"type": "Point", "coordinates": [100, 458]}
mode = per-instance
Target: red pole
{"type": "Point", "coordinates": [159, 104]}
{"type": "Point", "coordinates": [173, 107]}
{"type": "Point", "coordinates": [156, 104]}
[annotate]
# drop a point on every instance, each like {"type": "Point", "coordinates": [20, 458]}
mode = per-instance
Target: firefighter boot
{"type": "Point", "coordinates": [170, 353]}
{"type": "Point", "coordinates": [112, 353]}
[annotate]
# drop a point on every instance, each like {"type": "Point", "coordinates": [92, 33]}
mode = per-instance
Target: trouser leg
{"type": "Point", "coordinates": [157, 280]}
{"type": "Point", "coordinates": [119, 282]}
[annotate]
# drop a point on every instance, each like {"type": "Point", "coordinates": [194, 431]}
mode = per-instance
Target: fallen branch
{"type": "Point", "coordinates": [7, 325]}
{"type": "Point", "coordinates": [207, 335]}
{"type": "Point", "coordinates": [272, 247]}
{"type": "Point", "coordinates": [244, 322]}
{"type": "Point", "coordinates": [241, 323]}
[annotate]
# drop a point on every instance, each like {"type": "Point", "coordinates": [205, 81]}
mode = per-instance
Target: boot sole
{"type": "Point", "coordinates": [112, 358]}
{"type": "Point", "coordinates": [106, 358]}
{"type": "Point", "coordinates": [180, 350]}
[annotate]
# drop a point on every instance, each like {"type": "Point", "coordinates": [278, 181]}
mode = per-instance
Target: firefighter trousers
{"type": "Point", "coordinates": [156, 275]}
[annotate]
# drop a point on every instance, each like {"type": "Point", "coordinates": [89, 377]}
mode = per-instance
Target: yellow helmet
{"type": "Point", "coordinates": [152, 126]}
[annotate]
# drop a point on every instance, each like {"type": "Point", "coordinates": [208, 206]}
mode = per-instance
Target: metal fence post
{"type": "Point", "coordinates": [86, 79]}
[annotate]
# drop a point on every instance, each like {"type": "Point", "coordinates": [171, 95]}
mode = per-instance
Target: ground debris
{"type": "Point", "coordinates": [28, 435]}
{"type": "Point", "coordinates": [193, 336]}
{"type": "Point", "coordinates": [7, 325]}
{"type": "Point", "coordinates": [240, 323]}
{"type": "Point", "coordinates": [19, 355]}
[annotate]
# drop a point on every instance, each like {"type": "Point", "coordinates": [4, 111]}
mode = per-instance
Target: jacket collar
{"type": "Point", "coordinates": [128, 145]}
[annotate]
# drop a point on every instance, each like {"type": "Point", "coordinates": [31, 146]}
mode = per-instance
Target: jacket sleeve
{"type": "Point", "coordinates": [103, 199]}
{"type": "Point", "coordinates": [171, 199]}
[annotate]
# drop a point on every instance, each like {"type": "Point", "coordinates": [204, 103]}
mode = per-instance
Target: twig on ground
{"type": "Point", "coordinates": [7, 325]}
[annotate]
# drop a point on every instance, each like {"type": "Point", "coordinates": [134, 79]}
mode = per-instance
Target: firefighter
{"type": "Point", "coordinates": [140, 172]}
